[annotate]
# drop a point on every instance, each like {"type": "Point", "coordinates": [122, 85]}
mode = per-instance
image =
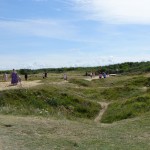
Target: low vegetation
{"type": "Point", "coordinates": [46, 101]}
{"type": "Point", "coordinates": [131, 108]}
{"type": "Point", "coordinates": [60, 114]}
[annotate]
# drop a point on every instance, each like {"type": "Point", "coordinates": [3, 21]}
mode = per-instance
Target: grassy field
{"type": "Point", "coordinates": [58, 114]}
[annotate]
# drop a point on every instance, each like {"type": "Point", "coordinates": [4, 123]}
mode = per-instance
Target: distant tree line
{"type": "Point", "coordinates": [127, 67]}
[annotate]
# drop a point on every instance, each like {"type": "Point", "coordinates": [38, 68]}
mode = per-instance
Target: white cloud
{"type": "Point", "coordinates": [116, 11]}
{"type": "Point", "coordinates": [63, 60]}
{"type": "Point", "coordinates": [39, 27]}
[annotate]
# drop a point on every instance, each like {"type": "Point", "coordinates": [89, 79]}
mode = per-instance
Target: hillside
{"type": "Point", "coordinates": [58, 114]}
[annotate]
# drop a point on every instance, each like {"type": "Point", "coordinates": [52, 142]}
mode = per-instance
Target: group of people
{"type": "Point", "coordinates": [103, 75]}
{"type": "Point", "coordinates": [15, 78]}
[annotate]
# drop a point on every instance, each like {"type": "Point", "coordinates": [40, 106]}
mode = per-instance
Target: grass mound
{"type": "Point", "coordinates": [80, 82]}
{"type": "Point", "coordinates": [127, 109]}
{"type": "Point", "coordinates": [138, 81]}
{"type": "Point", "coordinates": [48, 101]}
{"type": "Point", "coordinates": [119, 93]}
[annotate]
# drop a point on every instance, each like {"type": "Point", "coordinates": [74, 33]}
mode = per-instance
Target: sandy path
{"type": "Point", "coordinates": [104, 106]}
{"type": "Point", "coordinates": [24, 84]}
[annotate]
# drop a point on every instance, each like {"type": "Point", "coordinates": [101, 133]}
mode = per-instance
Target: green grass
{"type": "Point", "coordinates": [49, 133]}
{"type": "Point", "coordinates": [120, 93]}
{"type": "Point", "coordinates": [60, 115]}
{"type": "Point", "coordinates": [127, 109]}
{"type": "Point", "coordinates": [77, 98]}
{"type": "Point", "coordinates": [137, 81]}
{"type": "Point", "coordinates": [46, 101]}
{"type": "Point", "coordinates": [80, 82]}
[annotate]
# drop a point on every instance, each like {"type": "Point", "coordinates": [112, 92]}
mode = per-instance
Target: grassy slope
{"type": "Point", "coordinates": [46, 100]}
{"type": "Point", "coordinates": [41, 133]}
{"type": "Point", "coordinates": [123, 92]}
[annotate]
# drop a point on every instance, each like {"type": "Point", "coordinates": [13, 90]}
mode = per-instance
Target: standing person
{"type": "Point", "coordinates": [91, 74]}
{"type": "Point", "coordinates": [104, 74]}
{"type": "Point", "coordinates": [14, 77]}
{"type": "Point", "coordinates": [65, 76]}
{"type": "Point", "coordinates": [100, 76]}
{"type": "Point", "coordinates": [86, 74]}
{"type": "Point", "coordinates": [5, 77]}
{"type": "Point", "coordinates": [26, 76]}
{"type": "Point", "coordinates": [45, 74]}
{"type": "Point", "coordinates": [19, 80]}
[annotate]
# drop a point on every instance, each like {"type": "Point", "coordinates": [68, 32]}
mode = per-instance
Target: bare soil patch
{"type": "Point", "coordinates": [24, 84]}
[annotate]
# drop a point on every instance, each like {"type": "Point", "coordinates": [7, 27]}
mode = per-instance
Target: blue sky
{"type": "Point", "coordinates": [65, 33]}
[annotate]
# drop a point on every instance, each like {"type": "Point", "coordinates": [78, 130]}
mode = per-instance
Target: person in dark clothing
{"type": "Point", "coordinates": [45, 74]}
{"type": "Point", "coordinates": [14, 77]}
{"type": "Point", "coordinates": [26, 76]}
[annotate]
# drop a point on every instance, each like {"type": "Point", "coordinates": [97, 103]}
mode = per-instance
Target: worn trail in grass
{"type": "Point", "coordinates": [103, 109]}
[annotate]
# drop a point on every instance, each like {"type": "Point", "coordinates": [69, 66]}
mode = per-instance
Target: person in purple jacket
{"type": "Point", "coordinates": [14, 77]}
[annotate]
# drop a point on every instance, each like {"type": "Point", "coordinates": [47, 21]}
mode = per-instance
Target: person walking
{"type": "Point", "coordinates": [5, 77]}
{"type": "Point", "coordinates": [65, 76]}
{"type": "Point", "coordinates": [14, 77]}
{"type": "Point", "coordinates": [45, 74]}
{"type": "Point", "coordinates": [26, 77]}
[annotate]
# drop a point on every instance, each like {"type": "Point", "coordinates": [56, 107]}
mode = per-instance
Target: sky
{"type": "Point", "coordinates": [71, 33]}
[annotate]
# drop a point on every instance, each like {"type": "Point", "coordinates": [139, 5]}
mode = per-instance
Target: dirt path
{"type": "Point", "coordinates": [104, 106]}
{"type": "Point", "coordinates": [24, 84]}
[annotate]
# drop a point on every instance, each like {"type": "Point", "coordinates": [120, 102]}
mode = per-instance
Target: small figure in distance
{"type": "Point", "coordinates": [104, 74]}
{"type": "Point", "coordinates": [45, 75]}
{"type": "Point", "coordinates": [19, 80]}
{"type": "Point", "coordinates": [86, 74]}
{"type": "Point", "coordinates": [100, 76]}
{"type": "Point", "coordinates": [5, 77]}
{"type": "Point", "coordinates": [91, 74]}
{"type": "Point", "coordinates": [65, 77]}
{"type": "Point", "coordinates": [14, 77]}
{"type": "Point", "coordinates": [26, 76]}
